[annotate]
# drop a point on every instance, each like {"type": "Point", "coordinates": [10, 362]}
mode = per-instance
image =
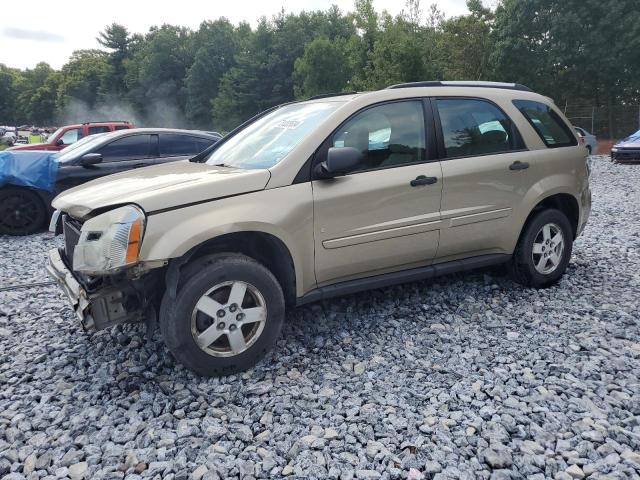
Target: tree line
{"type": "Point", "coordinates": [221, 74]}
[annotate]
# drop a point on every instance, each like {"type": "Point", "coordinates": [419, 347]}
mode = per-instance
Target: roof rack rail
{"type": "Point", "coordinates": [326, 95]}
{"type": "Point", "coordinates": [106, 121]}
{"type": "Point", "coordinates": [462, 83]}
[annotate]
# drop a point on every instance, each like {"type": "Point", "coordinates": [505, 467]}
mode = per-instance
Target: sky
{"type": "Point", "coordinates": [51, 30]}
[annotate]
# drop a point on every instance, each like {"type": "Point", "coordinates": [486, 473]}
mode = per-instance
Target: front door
{"type": "Point", "coordinates": [378, 218]}
{"type": "Point", "coordinates": [122, 154]}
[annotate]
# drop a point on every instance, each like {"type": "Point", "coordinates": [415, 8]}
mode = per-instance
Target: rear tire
{"type": "Point", "coordinates": [543, 251]}
{"type": "Point", "coordinates": [225, 317]}
{"type": "Point", "coordinates": [22, 211]}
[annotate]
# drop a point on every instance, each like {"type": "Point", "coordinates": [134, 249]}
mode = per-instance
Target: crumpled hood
{"type": "Point", "coordinates": [161, 186]}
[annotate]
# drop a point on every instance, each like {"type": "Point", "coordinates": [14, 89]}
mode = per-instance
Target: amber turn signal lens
{"type": "Point", "coordinates": [133, 246]}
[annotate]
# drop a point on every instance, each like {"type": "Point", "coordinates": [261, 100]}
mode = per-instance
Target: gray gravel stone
{"type": "Point", "coordinates": [466, 376]}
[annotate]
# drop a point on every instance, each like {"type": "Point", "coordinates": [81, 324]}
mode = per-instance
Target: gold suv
{"type": "Point", "coordinates": [320, 198]}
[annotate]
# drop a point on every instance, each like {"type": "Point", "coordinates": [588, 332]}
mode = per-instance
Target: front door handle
{"type": "Point", "coordinates": [422, 180]}
{"type": "Point", "coordinates": [518, 165]}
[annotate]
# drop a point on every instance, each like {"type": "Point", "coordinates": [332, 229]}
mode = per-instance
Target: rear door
{"type": "Point", "coordinates": [486, 173]}
{"type": "Point", "coordinates": [376, 219]}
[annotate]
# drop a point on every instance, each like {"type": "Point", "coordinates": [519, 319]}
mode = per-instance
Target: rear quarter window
{"type": "Point", "coordinates": [553, 131]}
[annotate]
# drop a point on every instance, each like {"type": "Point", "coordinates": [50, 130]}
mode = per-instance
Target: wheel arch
{"type": "Point", "coordinates": [263, 247]}
{"type": "Point", "coordinates": [565, 202]}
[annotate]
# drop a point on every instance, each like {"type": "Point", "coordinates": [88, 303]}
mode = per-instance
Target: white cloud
{"type": "Point", "coordinates": [51, 31]}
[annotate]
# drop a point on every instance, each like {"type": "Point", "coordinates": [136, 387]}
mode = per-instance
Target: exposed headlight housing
{"type": "Point", "coordinates": [110, 241]}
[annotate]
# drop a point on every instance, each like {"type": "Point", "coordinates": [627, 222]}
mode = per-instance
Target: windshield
{"type": "Point", "coordinates": [633, 137]}
{"type": "Point", "coordinates": [79, 148]}
{"type": "Point", "coordinates": [265, 142]}
{"type": "Point", "coordinates": [52, 138]}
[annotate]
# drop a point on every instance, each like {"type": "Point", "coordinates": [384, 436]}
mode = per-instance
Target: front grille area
{"type": "Point", "coordinates": [631, 155]}
{"type": "Point", "coordinates": [71, 231]}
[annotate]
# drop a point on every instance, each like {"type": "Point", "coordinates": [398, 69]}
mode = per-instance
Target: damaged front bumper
{"type": "Point", "coordinates": [124, 301]}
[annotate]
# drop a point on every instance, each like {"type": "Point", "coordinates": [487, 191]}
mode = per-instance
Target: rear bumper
{"type": "Point", "coordinates": [113, 304]}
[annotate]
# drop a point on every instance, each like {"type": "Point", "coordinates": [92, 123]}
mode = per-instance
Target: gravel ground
{"type": "Point", "coordinates": [469, 376]}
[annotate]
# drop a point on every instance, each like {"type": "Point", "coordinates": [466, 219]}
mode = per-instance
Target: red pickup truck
{"type": "Point", "coordinates": [65, 136]}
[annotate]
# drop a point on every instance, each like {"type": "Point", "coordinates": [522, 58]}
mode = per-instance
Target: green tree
{"type": "Point", "coordinates": [117, 40]}
{"type": "Point", "coordinates": [466, 44]}
{"type": "Point", "coordinates": [9, 77]}
{"type": "Point", "coordinates": [322, 68]}
{"type": "Point", "coordinates": [574, 49]}
{"type": "Point", "coordinates": [156, 72]}
{"type": "Point", "coordinates": [36, 100]}
{"type": "Point", "coordinates": [81, 77]}
{"type": "Point", "coordinates": [216, 45]}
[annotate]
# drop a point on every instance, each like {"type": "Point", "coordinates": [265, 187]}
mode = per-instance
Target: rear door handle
{"type": "Point", "coordinates": [422, 180]}
{"type": "Point", "coordinates": [518, 165]}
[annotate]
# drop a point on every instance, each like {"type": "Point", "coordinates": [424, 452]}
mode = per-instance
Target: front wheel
{"type": "Point", "coordinates": [225, 317]}
{"type": "Point", "coordinates": [22, 211]}
{"type": "Point", "coordinates": [543, 251]}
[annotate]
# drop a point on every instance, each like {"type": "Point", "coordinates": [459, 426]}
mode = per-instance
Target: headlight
{"type": "Point", "coordinates": [110, 241]}
{"type": "Point", "coordinates": [614, 149]}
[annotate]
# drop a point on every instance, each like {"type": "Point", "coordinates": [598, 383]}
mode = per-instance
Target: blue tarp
{"type": "Point", "coordinates": [34, 169]}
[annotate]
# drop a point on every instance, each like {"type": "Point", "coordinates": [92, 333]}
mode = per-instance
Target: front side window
{"type": "Point", "coordinates": [127, 148]}
{"type": "Point", "coordinates": [100, 129]}
{"type": "Point", "coordinates": [553, 131]}
{"type": "Point", "coordinates": [266, 141]}
{"type": "Point", "coordinates": [387, 135]}
{"type": "Point", "coordinates": [71, 136]}
{"type": "Point", "coordinates": [172, 145]}
{"type": "Point", "coordinates": [474, 127]}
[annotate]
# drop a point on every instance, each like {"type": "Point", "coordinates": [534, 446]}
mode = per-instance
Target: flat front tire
{"type": "Point", "coordinates": [226, 316]}
{"type": "Point", "coordinates": [543, 251]}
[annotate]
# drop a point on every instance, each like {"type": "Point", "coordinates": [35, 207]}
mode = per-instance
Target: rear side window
{"type": "Point", "coordinates": [127, 148]}
{"type": "Point", "coordinates": [101, 129]}
{"type": "Point", "coordinates": [473, 127]}
{"type": "Point", "coordinates": [122, 127]}
{"type": "Point", "coordinates": [553, 131]}
{"type": "Point", "coordinates": [172, 145]}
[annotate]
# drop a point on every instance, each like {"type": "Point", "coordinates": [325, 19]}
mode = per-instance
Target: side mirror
{"type": "Point", "coordinates": [89, 159]}
{"type": "Point", "coordinates": [340, 161]}
{"type": "Point", "coordinates": [59, 142]}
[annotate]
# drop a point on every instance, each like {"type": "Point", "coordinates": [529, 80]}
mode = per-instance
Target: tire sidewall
{"type": "Point", "coordinates": [176, 320]}
{"type": "Point", "coordinates": [543, 218]}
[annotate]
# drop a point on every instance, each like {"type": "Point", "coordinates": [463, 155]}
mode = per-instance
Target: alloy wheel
{"type": "Point", "coordinates": [228, 318]}
{"type": "Point", "coordinates": [548, 249]}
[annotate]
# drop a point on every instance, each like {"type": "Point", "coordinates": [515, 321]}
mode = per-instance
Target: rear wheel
{"type": "Point", "coordinates": [543, 251]}
{"type": "Point", "coordinates": [225, 317]}
{"type": "Point", "coordinates": [22, 211]}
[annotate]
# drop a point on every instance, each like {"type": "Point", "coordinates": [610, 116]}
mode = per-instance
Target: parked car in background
{"type": "Point", "coordinates": [8, 136]}
{"type": "Point", "coordinates": [26, 210]}
{"type": "Point", "coordinates": [588, 140]}
{"type": "Point", "coordinates": [627, 149]}
{"type": "Point", "coordinates": [69, 134]}
{"type": "Point", "coordinates": [321, 198]}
